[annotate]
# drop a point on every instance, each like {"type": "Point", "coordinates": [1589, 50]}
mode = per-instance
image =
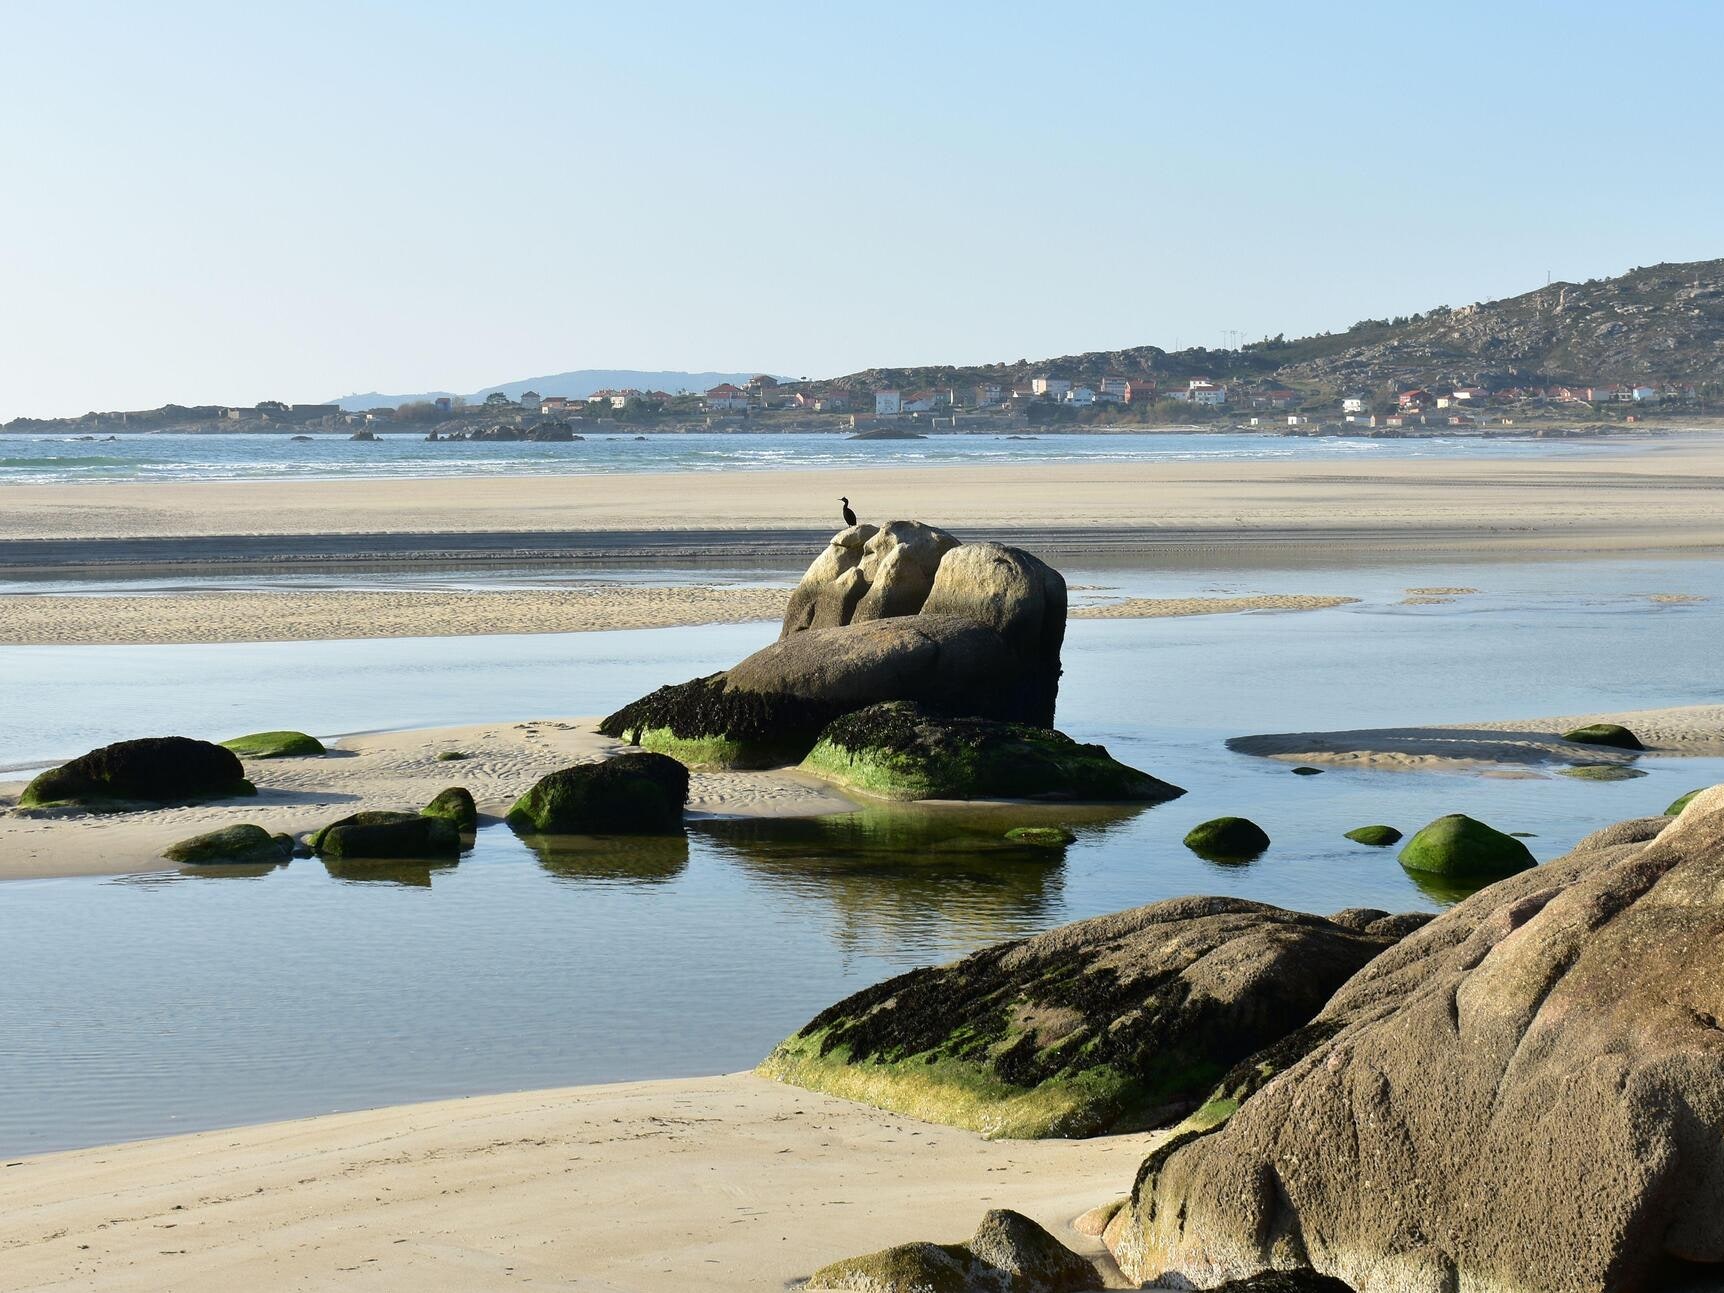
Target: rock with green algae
{"type": "Point", "coordinates": [1227, 837]}
{"type": "Point", "coordinates": [1041, 837]}
{"type": "Point", "coordinates": [243, 845]}
{"type": "Point", "coordinates": [905, 751]}
{"type": "Point", "coordinates": [1009, 1253]}
{"type": "Point", "coordinates": [1458, 845]}
{"type": "Point", "coordinates": [1612, 734]}
{"type": "Point", "coordinates": [144, 773]}
{"type": "Point", "coordinates": [452, 756]}
{"type": "Point", "coordinates": [274, 745]}
{"type": "Point", "coordinates": [1603, 772]}
{"type": "Point", "coordinates": [1114, 1023]}
{"type": "Point", "coordinates": [385, 835]}
{"type": "Point", "coordinates": [1677, 805]}
{"type": "Point", "coordinates": [1377, 836]}
{"type": "Point", "coordinates": [633, 794]}
{"type": "Point", "coordinates": [455, 805]}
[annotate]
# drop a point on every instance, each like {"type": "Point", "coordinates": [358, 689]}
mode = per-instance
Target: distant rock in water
{"type": "Point", "coordinates": [1115, 1023]}
{"type": "Point", "coordinates": [543, 433]}
{"type": "Point", "coordinates": [902, 612]}
{"type": "Point", "coordinates": [902, 750]}
{"type": "Point", "coordinates": [143, 773]}
{"type": "Point", "coordinates": [1227, 837]}
{"type": "Point", "coordinates": [1377, 836]}
{"type": "Point", "coordinates": [363, 435]}
{"type": "Point", "coordinates": [633, 794]}
{"type": "Point", "coordinates": [1543, 1060]}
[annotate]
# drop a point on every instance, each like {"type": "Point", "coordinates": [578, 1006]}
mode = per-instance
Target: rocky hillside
{"type": "Point", "coordinates": [1664, 323]}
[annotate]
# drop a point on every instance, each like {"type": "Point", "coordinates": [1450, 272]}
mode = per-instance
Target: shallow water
{"type": "Point", "coordinates": [31, 459]}
{"type": "Point", "coordinates": [143, 1005]}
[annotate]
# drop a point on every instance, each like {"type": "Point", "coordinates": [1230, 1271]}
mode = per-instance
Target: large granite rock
{"type": "Point", "coordinates": [981, 640]}
{"type": "Point", "coordinates": [144, 773]}
{"type": "Point", "coordinates": [1113, 1023]}
{"type": "Point", "coordinates": [1528, 1093]}
{"type": "Point", "coordinates": [901, 750]}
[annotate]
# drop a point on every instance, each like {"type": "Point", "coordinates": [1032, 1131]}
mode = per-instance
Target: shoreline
{"type": "Point", "coordinates": [726, 1183]}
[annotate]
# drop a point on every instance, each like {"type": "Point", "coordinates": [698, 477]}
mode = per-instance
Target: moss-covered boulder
{"type": "Point", "coordinates": [1115, 1023]}
{"type": "Point", "coordinates": [1377, 836]}
{"type": "Point", "coordinates": [245, 845]}
{"type": "Point", "coordinates": [1227, 837]}
{"type": "Point", "coordinates": [385, 835]}
{"type": "Point", "coordinates": [1678, 804]}
{"type": "Point", "coordinates": [1041, 837]}
{"type": "Point", "coordinates": [1458, 845]}
{"type": "Point", "coordinates": [1603, 772]}
{"type": "Point", "coordinates": [274, 745]}
{"type": "Point", "coordinates": [1009, 1253]}
{"type": "Point", "coordinates": [709, 723]}
{"type": "Point", "coordinates": [455, 805]}
{"type": "Point", "coordinates": [137, 774]}
{"type": "Point", "coordinates": [636, 794]}
{"type": "Point", "coordinates": [901, 750]}
{"type": "Point", "coordinates": [1612, 734]}
{"type": "Point", "coordinates": [452, 756]}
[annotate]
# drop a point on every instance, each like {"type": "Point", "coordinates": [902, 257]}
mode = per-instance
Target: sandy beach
{"type": "Point", "coordinates": [391, 770]}
{"type": "Point", "coordinates": [1695, 730]}
{"type": "Point", "coordinates": [708, 1183]}
{"type": "Point", "coordinates": [1660, 494]}
{"type": "Point", "coordinates": [302, 615]}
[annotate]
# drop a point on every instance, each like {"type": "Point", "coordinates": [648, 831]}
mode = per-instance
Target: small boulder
{"type": "Point", "coordinates": [1009, 1253]}
{"type": "Point", "coordinates": [1041, 837]}
{"type": "Point", "coordinates": [1376, 836]}
{"type": "Point", "coordinates": [1011, 1242]}
{"type": "Point", "coordinates": [149, 772]}
{"type": "Point", "coordinates": [1306, 770]}
{"type": "Point", "coordinates": [1227, 837]}
{"type": "Point", "coordinates": [452, 756]}
{"type": "Point", "coordinates": [1612, 734]}
{"type": "Point", "coordinates": [906, 1268]}
{"type": "Point", "coordinates": [901, 750]}
{"type": "Point", "coordinates": [274, 745]}
{"type": "Point", "coordinates": [387, 835]}
{"type": "Point", "coordinates": [634, 794]}
{"type": "Point", "coordinates": [1458, 845]}
{"type": "Point", "coordinates": [455, 805]}
{"type": "Point", "coordinates": [245, 845]}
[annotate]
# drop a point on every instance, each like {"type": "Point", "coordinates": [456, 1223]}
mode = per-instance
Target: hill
{"type": "Point", "coordinates": [1664, 323]}
{"type": "Point", "coordinates": [578, 384]}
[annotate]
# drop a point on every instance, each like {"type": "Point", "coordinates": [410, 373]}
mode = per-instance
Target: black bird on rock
{"type": "Point", "coordinates": [849, 516]}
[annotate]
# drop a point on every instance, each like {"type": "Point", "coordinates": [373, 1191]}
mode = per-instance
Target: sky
{"type": "Point", "coordinates": [224, 202]}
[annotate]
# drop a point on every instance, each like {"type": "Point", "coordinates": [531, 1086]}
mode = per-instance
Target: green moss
{"type": "Point", "coordinates": [1678, 805]}
{"type": "Point", "coordinates": [454, 805]}
{"type": "Point", "coordinates": [1602, 772]}
{"type": "Point", "coordinates": [1376, 836]}
{"type": "Point", "coordinates": [451, 756]}
{"type": "Point", "coordinates": [904, 751]}
{"type": "Point", "coordinates": [1042, 837]}
{"type": "Point", "coordinates": [706, 723]}
{"type": "Point", "coordinates": [232, 845]}
{"type": "Point", "coordinates": [695, 752]}
{"type": "Point", "coordinates": [1611, 734]}
{"type": "Point", "coordinates": [274, 745]}
{"type": "Point", "coordinates": [1459, 846]}
{"type": "Point", "coordinates": [633, 794]}
{"type": "Point", "coordinates": [1227, 837]}
{"type": "Point", "coordinates": [907, 1268]}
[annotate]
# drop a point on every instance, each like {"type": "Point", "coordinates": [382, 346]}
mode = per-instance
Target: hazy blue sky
{"type": "Point", "coordinates": [233, 201]}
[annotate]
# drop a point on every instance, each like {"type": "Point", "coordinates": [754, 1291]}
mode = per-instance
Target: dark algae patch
{"type": "Point", "coordinates": [634, 794]}
{"type": "Point", "coordinates": [706, 722]}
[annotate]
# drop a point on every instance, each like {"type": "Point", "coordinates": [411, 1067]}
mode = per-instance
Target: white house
{"type": "Point", "coordinates": [888, 403]}
{"type": "Point", "coordinates": [1052, 387]}
{"type": "Point", "coordinates": [726, 398]}
{"type": "Point", "coordinates": [1355, 403]}
{"type": "Point", "coordinates": [916, 402]}
{"type": "Point", "coordinates": [988, 394]}
{"type": "Point", "coordinates": [1644, 394]}
{"type": "Point", "coordinates": [1080, 395]}
{"type": "Point", "coordinates": [1200, 390]}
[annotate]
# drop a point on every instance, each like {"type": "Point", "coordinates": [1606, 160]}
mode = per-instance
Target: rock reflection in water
{"type": "Point", "coordinates": [229, 871]}
{"type": "Point", "coordinates": [626, 859]}
{"type": "Point", "coordinates": [931, 874]}
{"type": "Point", "coordinates": [406, 872]}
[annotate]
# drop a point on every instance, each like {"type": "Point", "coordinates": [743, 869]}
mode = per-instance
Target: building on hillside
{"type": "Point", "coordinates": [622, 399]}
{"type": "Point", "coordinates": [1273, 397]}
{"type": "Point", "coordinates": [529, 399]}
{"type": "Point", "coordinates": [444, 403]}
{"type": "Point", "coordinates": [1644, 394]}
{"type": "Point", "coordinates": [1355, 403]}
{"type": "Point", "coordinates": [726, 398]}
{"type": "Point", "coordinates": [1416, 400]}
{"type": "Point", "coordinates": [1053, 388]}
{"type": "Point", "coordinates": [1469, 395]}
{"type": "Point", "coordinates": [988, 394]}
{"type": "Point", "coordinates": [762, 384]}
{"type": "Point", "coordinates": [1200, 390]}
{"type": "Point", "coordinates": [1140, 392]}
{"type": "Point", "coordinates": [888, 403]}
{"type": "Point", "coordinates": [917, 402]}
{"type": "Point", "coordinates": [1298, 420]}
{"type": "Point", "coordinates": [1080, 396]}
{"type": "Point", "coordinates": [553, 404]}
{"type": "Point", "coordinates": [1114, 386]}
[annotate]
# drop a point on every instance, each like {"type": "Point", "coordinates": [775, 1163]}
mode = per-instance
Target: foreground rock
{"type": "Point", "coordinates": [639, 794]}
{"type": "Point", "coordinates": [147, 773]}
{"type": "Point", "coordinates": [980, 638]}
{"type": "Point", "coordinates": [1009, 1253]}
{"type": "Point", "coordinates": [1526, 1094]}
{"type": "Point", "coordinates": [275, 745]}
{"type": "Point", "coordinates": [455, 806]}
{"type": "Point", "coordinates": [901, 750]}
{"type": "Point", "coordinates": [1120, 1022]}
{"type": "Point", "coordinates": [245, 845]}
{"type": "Point", "coordinates": [386, 835]}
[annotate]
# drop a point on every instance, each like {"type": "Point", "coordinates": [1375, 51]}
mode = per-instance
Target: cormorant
{"type": "Point", "coordinates": [849, 516]}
